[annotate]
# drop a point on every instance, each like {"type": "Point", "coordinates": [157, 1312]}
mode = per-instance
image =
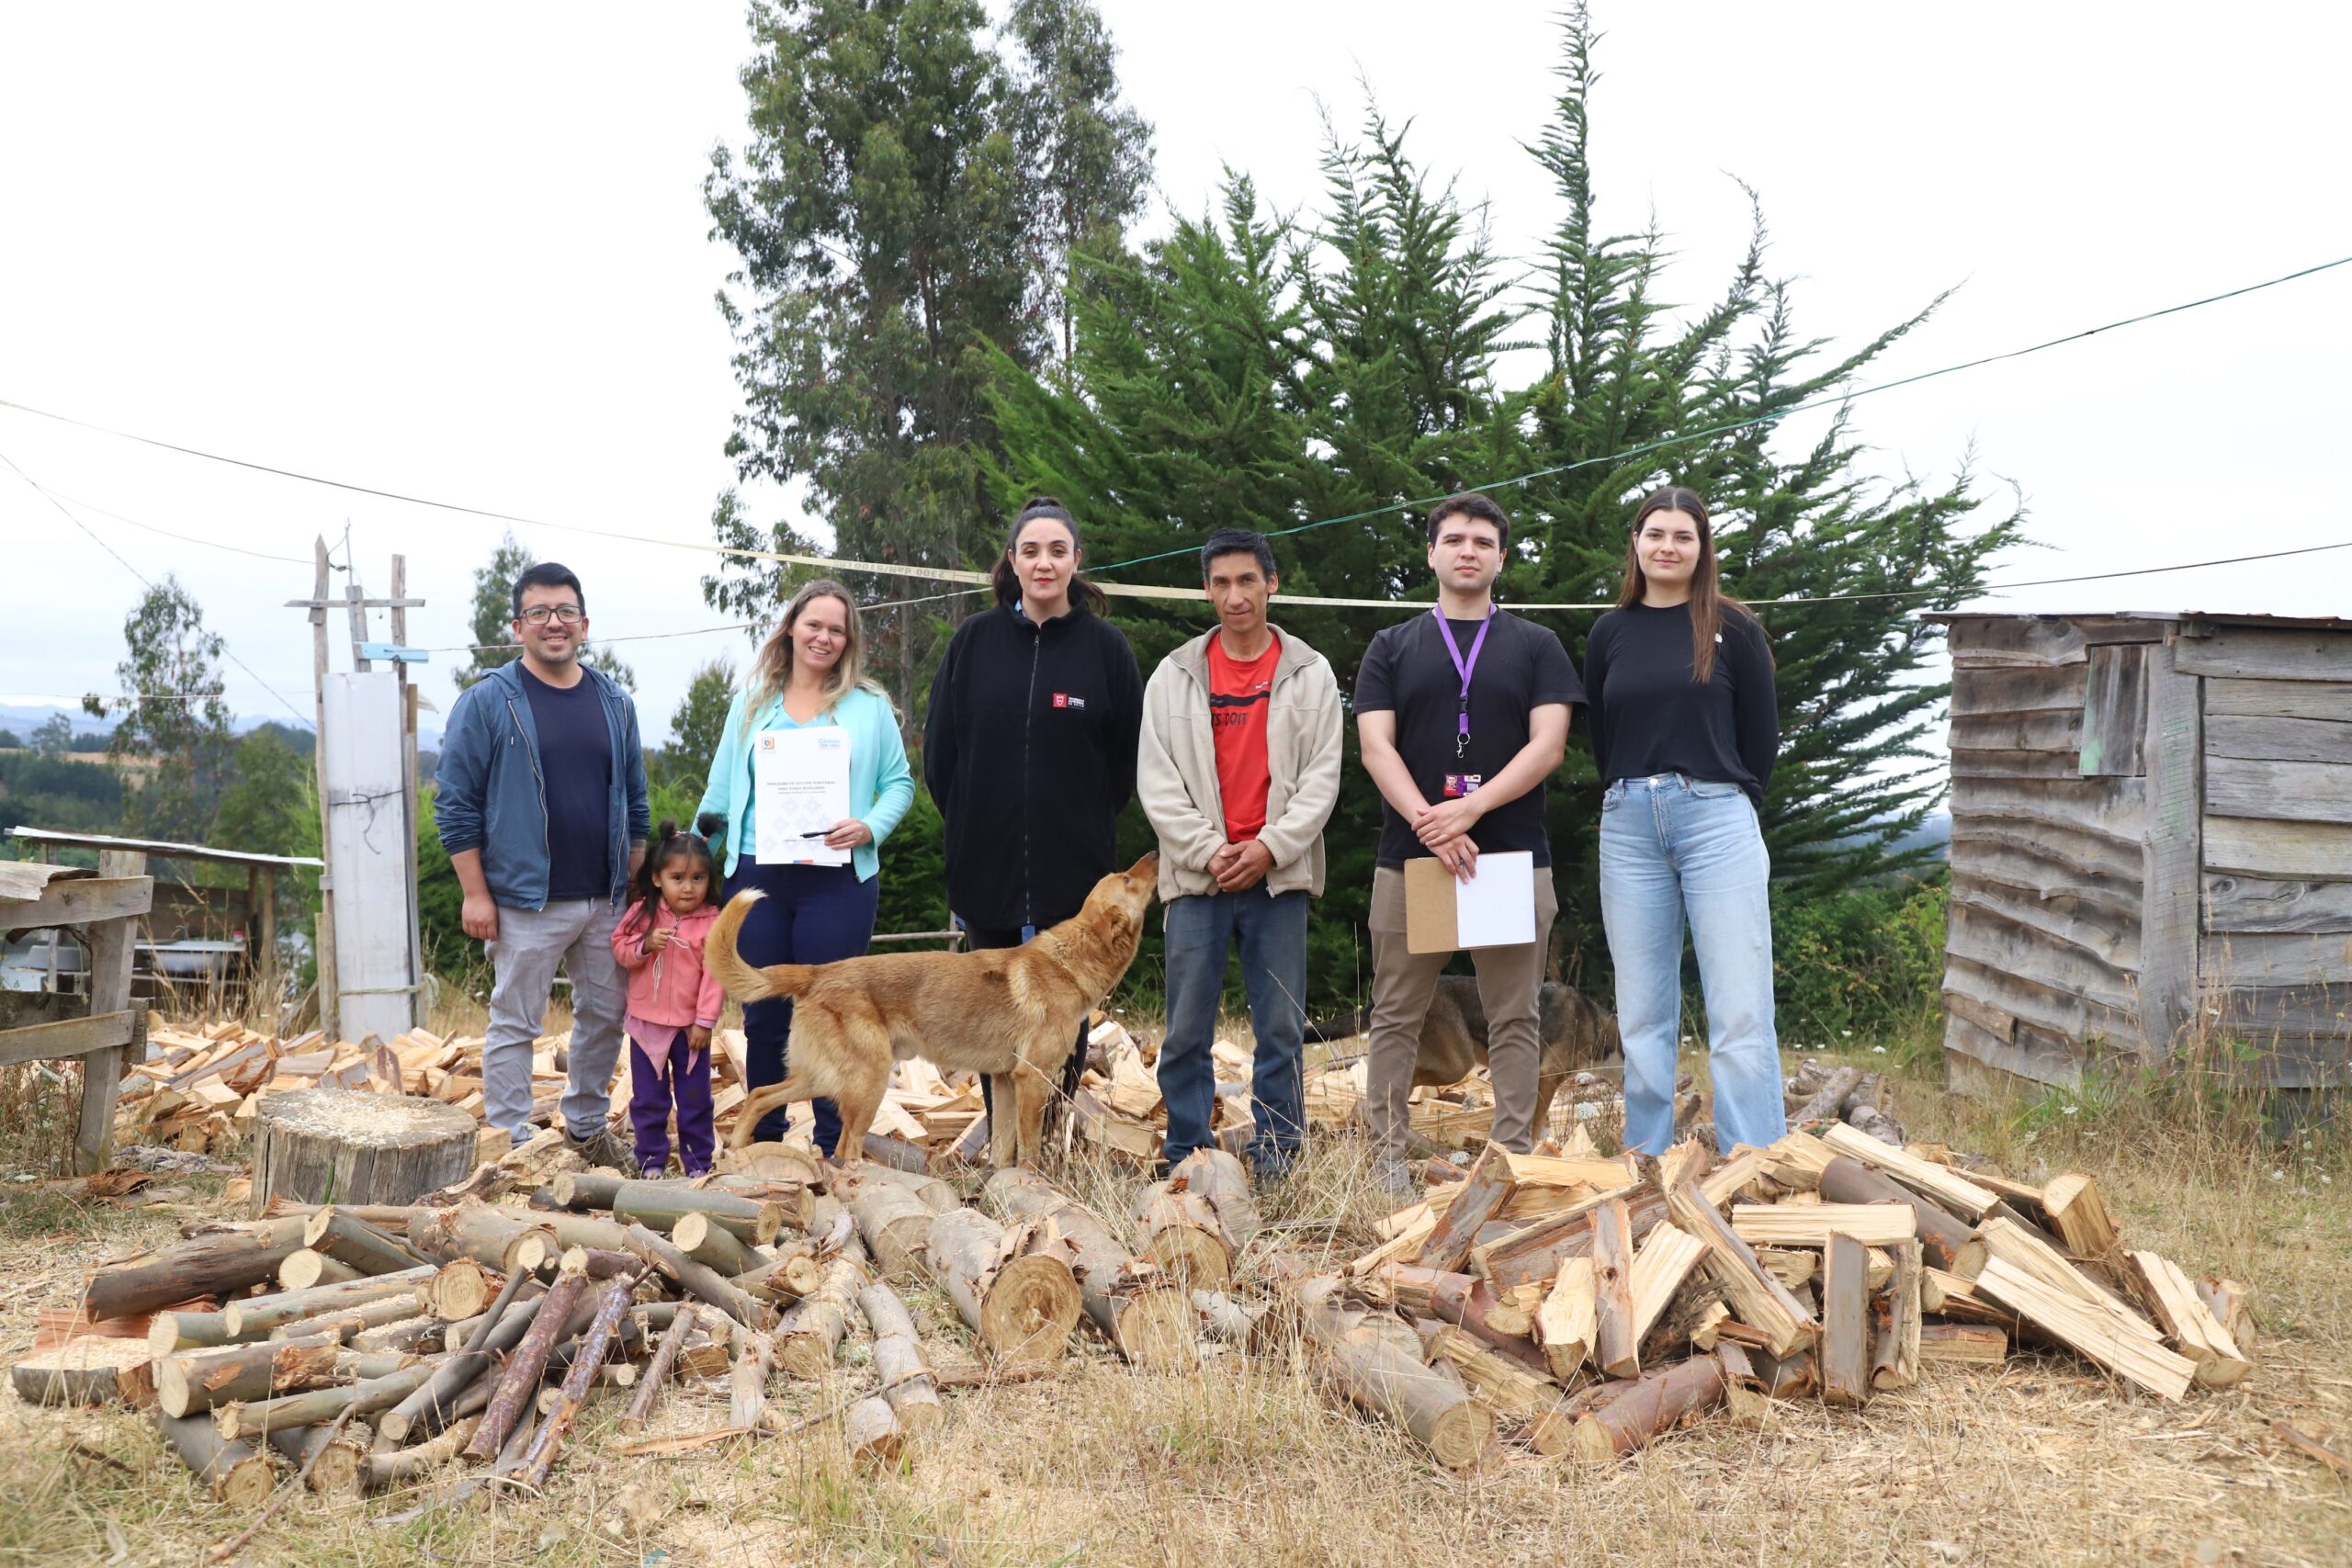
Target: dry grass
{"type": "Point", "coordinates": [2041, 1461]}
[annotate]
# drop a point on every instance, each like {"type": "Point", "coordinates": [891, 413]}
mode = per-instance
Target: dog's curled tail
{"type": "Point", "coordinates": [741, 980]}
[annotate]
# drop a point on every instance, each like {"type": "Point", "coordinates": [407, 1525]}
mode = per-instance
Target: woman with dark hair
{"type": "Point", "coordinates": [1685, 728]}
{"type": "Point", "coordinates": [1029, 747]}
{"type": "Point", "coordinates": [811, 674]}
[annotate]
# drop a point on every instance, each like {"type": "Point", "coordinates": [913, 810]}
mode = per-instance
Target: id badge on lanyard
{"type": "Point", "coordinates": [1458, 784]}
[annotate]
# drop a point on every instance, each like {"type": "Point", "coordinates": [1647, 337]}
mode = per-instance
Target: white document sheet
{"type": "Point", "coordinates": [800, 789]}
{"type": "Point", "coordinates": [1496, 906]}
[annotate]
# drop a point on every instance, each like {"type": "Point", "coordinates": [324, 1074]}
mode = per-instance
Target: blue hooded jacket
{"type": "Point", "coordinates": [490, 794]}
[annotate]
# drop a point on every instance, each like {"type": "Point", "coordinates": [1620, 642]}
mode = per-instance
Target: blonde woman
{"type": "Point", "coordinates": [810, 674]}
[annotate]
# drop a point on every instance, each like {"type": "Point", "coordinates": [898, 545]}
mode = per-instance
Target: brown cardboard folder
{"type": "Point", "coordinates": [1497, 908]}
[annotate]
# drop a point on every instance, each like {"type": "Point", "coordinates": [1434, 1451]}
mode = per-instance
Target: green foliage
{"type": "Point", "coordinates": [914, 871]}
{"type": "Point", "coordinates": [9, 740]}
{"type": "Point", "coordinates": [171, 711]}
{"type": "Point", "coordinates": [55, 736]}
{"type": "Point", "coordinates": [902, 206]}
{"type": "Point", "coordinates": [440, 901]}
{"type": "Point", "coordinates": [1866, 962]}
{"type": "Point", "coordinates": [677, 771]}
{"type": "Point", "coordinates": [271, 808]}
{"type": "Point", "coordinates": [46, 791]}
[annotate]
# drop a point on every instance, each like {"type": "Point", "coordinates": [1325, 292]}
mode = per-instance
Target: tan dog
{"type": "Point", "coordinates": [1011, 1012]}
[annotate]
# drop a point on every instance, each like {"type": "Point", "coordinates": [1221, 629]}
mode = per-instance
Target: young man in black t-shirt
{"type": "Point", "coordinates": [1462, 714]}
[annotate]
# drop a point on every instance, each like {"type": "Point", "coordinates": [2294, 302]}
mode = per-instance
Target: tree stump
{"type": "Point", "coordinates": [343, 1147]}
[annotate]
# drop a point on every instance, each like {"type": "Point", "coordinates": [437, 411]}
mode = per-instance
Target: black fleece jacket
{"type": "Point", "coordinates": [1029, 750]}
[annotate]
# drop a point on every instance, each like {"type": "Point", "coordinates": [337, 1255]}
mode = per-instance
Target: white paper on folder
{"type": "Point", "coordinates": [1496, 906]}
{"type": "Point", "coordinates": [799, 785]}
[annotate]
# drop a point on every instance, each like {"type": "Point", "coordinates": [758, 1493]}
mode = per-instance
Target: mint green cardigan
{"type": "Point", "coordinates": [881, 785]}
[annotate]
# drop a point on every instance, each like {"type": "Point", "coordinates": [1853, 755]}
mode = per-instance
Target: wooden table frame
{"type": "Point", "coordinates": [106, 910]}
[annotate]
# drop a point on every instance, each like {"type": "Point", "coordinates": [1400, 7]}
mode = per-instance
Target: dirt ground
{"type": "Point", "coordinates": [2040, 1461]}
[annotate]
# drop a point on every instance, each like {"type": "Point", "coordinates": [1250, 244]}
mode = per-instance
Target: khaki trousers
{"type": "Point", "coordinates": [1402, 984]}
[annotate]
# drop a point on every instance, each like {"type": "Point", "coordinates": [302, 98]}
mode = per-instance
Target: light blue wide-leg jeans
{"type": "Point", "coordinates": [1673, 849]}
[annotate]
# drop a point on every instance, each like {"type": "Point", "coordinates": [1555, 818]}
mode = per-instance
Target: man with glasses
{"type": "Point", "coordinates": [541, 804]}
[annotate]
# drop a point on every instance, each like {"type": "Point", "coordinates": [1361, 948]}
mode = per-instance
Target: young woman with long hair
{"type": "Point", "coordinates": [1029, 747]}
{"type": "Point", "coordinates": [810, 674]}
{"type": "Point", "coordinates": [1685, 728]}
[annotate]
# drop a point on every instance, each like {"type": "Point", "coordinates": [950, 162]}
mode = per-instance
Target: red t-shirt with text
{"type": "Point", "coordinates": [1237, 698]}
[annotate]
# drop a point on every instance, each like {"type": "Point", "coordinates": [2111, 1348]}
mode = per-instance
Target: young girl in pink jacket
{"type": "Point", "coordinates": [673, 1002]}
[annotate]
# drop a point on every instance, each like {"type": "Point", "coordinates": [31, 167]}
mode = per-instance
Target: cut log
{"type": "Point", "coordinates": [353, 1241]}
{"type": "Point", "coordinates": [501, 1238]}
{"type": "Point", "coordinates": [1363, 1361]}
{"type": "Point", "coordinates": [1963, 1344]}
{"type": "Point", "coordinates": [1568, 1322]}
{"type": "Point", "coordinates": [170, 1331]}
{"type": "Point", "coordinates": [698, 1280]}
{"type": "Point", "coordinates": [2231, 1306]}
{"type": "Point", "coordinates": [2087, 1330]}
{"type": "Point", "coordinates": [1941, 1183]}
{"type": "Point", "coordinates": [1668, 1254]}
{"type": "Point", "coordinates": [1743, 1397]}
{"type": "Point", "coordinates": [460, 1288]}
{"type": "Point", "coordinates": [1466, 1303]}
{"type": "Point", "coordinates": [1758, 1299]}
{"type": "Point", "coordinates": [707, 1241]}
{"type": "Point", "coordinates": [1532, 1253]}
{"type": "Point", "coordinates": [1507, 1385]}
{"type": "Point", "coordinates": [186, 1384]}
{"type": "Point", "coordinates": [1653, 1406]}
{"type": "Point", "coordinates": [612, 1307]}
{"type": "Point", "coordinates": [332, 1463]}
{"type": "Point", "coordinates": [657, 1371]}
{"type": "Point", "coordinates": [1811, 1224]}
{"type": "Point", "coordinates": [2188, 1322]}
{"type": "Point", "coordinates": [235, 1472]}
{"type": "Point", "coordinates": [2081, 1221]}
{"type": "Point", "coordinates": [319, 1145]}
{"type": "Point", "coordinates": [2026, 1250]}
{"type": "Point", "coordinates": [810, 1334]}
{"type": "Point", "coordinates": [92, 1369]}
{"type": "Point", "coordinates": [1894, 1353]}
{"type": "Point", "coordinates": [1945, 1234]}
{"type": "Point", "coordinates": [1616, 1345]}
{"type": "Point", "coordinates": [787, 1278]}
{"type": "Point", "coordinates": [1476, 1201]}
{"type": "Point", "coordinates": [581, 1190]}
{"type": "Point", "coordinates": [215, 1264]}
{"type": "Point", "coordinates": [306, 1268]}
{"type": "Point", "coordinates": [1796, 1160]}
{"type": "Point", "coordinates": [387, 1469]}
{"type": "Point", "coordinates": [520, 1378]}
{"type": "Point", "coordinates": [907, 1381]}
{"type": "Point", "coordinates": [1195, 1222]}
{"type": "Point", "coordinates": [1845, 1323]}
{"type": "Point", "coordinates": [1012, 1288]}
{"type": "Point", "coordinates": [871, 1431]}
{"type": "Point", "coordinates": [658, 1205]}
{"type": "Point", "coordinates": [1139, 1307]}
{"type": "Point", "coordinates": [1784, 1376]}
{"type": "Point", "coordinates": [1829, 1101]}
{"type": "Point", "coordinates": [747, 1394]}
{"type": "Point", "coordinates": [933, 1193]}
{"type": "Point", "coordinates": [261, 1314]}
{"type": "Point", "coordinates": [895, 1222]}
{"type": "Point", "coordinates": [586, 1231]}
{"type": "Point", "coordinates": [261, 1417]}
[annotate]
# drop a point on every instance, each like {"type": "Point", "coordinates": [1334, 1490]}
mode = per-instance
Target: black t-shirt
{"type": "Point", "coordinates": [1408, 671]}
{"type": "Point", "coordinates": [576, 772]}
{"type": "Point", "coordinates": [1650, 717]}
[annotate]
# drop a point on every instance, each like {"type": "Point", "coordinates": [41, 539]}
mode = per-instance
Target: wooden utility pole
{"type": "Point", "coordinates": [408, 777]}
{"type": "Point", "coordinates": [323, 938]}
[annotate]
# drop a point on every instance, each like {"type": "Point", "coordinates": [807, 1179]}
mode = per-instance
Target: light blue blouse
{"type": "Point", "coordinates": [881, 785]}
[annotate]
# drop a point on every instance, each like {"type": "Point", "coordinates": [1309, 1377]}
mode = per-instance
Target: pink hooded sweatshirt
{"type": "Point", "coordinates": [670, 990]}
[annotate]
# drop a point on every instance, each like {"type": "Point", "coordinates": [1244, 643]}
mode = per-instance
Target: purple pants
{"type": "Point", "coordinates": [651, 1093]}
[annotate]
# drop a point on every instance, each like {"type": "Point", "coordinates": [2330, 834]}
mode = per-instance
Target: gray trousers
{"type": "Point", "coordinates": [1402, 984]}
{"type": "Point", "coordinates": [578, 934]}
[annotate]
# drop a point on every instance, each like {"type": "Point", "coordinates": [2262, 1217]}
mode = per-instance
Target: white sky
{"type": "Point", "coordinates": [459, 252]}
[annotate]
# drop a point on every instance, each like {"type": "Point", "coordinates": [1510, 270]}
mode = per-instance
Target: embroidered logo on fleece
{"type": "Point", "coordinates": [1064, 700]}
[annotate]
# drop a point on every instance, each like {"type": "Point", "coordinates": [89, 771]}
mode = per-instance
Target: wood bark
{"type": "Point", "coordinates": [1845, 1323]}
{"type": "Point", "coordinates": [1508, 1386]}
{"type": "Point", "coordinates": [1616, 1342]}
{"type": "Point", "coordinates": [612, 1307]}
{"type": "Point", "coordinates": [345, 1324]}
{"type": "Point", "coordinates": [1139, 1307]}
{"type": "Point", "coordinates": [170, 1331]}
{"type": "Point", "coordinates": [1758, 1300]}
{"type": "Point", "coordinates": [895, 1222]}
{"type": "Point", "coordinates": [264, 1416]}
{"type": "Point", "coordinates": [261, 1314]}
{"type": "Point", "coordinates": [358, 1147]}
{"type": "Point", "coordinates": [1826, 1101]}
{"type": "Point", "coordinates": [709, 1242]}
{"type": "Point", "coordinates": [1945, 1185]}
{"type": "Point", "coordinates": [658, 1205]}
{"type": "Point", "coordinates": [1466, 1303]}
{"type": "Point", "coordinates": [186, 1384]}
{"type": "Point", "coordinates": [501, 1238]}
{"type": "Point", "coordinates": [871, 1428]}
{"type": "Point", "coordinates": [907, 1381]}
{"type": "Point", "coordinates": [698, 1280]}
{"type": "Point", "coordinates": [1895, 1355]}
{"type": "Point", "coordinates": [747, 1397]}
{"type": "Point", "coordinates": [389, 1470]}
{"type": "Point", "coordinates": [811, 1332]}
{"type": "Point", "coordinates": [216, 1264]}
{"type": "Point", "coordinates": [571, 1230]}
{"type": "Point", "coordinates": [234, 1472]}
{"type": "Point", "coordinates": [1181, 1236]}
{"type": "Point", "coordinates": [1642, 1413]}
{"type": "Point", "coordinates": [1942, 1232]}
{"type": "Point", "coordinates": [1363, 1361]}
{"type": "Point", "coordinates": [1480, 1197]}
{"type": "Point", "coordinates": [351, 1240]}
{"type": "Point", "coordinates": [1021, 1302]}
{"type": "Point", "coordinates": [581, 1190]}
{"type": "Point", "coordinates": [657, 1371]}
{"type": "Point", "coordinates": [332, 1463]}
{"type": "Point", "coordinates": [305, 1269]}
{"type": "Point", "coordinates": [524, 1369]}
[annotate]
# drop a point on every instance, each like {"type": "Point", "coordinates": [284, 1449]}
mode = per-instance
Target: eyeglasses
{"type": "Point", "coordinates": [540, 614]}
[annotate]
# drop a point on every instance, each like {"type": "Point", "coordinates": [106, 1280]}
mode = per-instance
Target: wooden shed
{"type": "Point", "coordinates": [2151, 844]}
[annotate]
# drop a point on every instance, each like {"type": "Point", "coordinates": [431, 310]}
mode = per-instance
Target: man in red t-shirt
{"type": "Point", "coordinates": [1239, 768]}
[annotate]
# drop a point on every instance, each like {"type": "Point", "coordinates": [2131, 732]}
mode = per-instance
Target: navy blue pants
{"type": "Point", "coordinates": [812, 914]}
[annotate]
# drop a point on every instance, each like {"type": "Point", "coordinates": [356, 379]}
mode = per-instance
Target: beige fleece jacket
{"type": "Point", "coordinates": [1176, 767]}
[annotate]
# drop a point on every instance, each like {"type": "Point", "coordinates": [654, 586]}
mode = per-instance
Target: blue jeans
{"type": "Point", "coordinates": [1672, 846]}
{"type": "Point", "coordinates": [812, 914]}
{"type": "Point", "coordinates": [1200, 930]}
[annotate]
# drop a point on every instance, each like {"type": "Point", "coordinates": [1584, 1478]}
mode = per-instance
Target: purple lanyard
{"type": "Point", "coordinates": [1462, 667]}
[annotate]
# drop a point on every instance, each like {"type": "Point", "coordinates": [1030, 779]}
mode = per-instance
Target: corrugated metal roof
{"type": "Point", "coordinates": [2208, 618]}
